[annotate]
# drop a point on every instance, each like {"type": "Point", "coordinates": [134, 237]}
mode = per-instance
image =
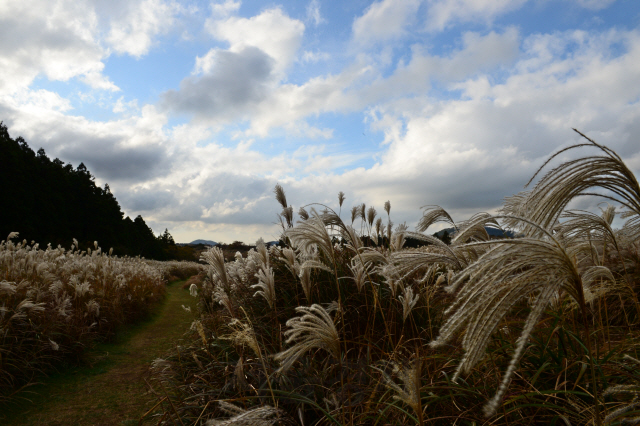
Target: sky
{"type": "Point", "coordinates": [192, 111]}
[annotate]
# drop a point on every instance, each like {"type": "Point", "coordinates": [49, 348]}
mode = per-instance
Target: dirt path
{"type": "Point", "coordinates": [112, 391]}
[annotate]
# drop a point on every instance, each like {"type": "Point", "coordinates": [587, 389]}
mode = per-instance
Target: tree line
{"type": "Point", "coordinates": [48, 201]}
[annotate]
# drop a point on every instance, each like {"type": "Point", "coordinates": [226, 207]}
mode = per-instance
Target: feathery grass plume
{"type": "Point", "coordinates": [287, 214]}
{"type": "Point", "coordinates": [582, 226]}
{"type": "Point", "coordinates": [290, 261]}
{"type": "Point", "coordinates": [354, 243]}
{"type": "Point", "coordinates": [280, 196]}
{"type": "Point", "coordinates": [303, 213]}
{"type": "Point", "coordinates": [409, 391]}
{"type": "Point", "coordinates": [354, 214]}
{"type": "Point", "coordinates": [437, 254]}
{"type": "Point", "coordinates": [263, 253]}
{"type": "Point", "coordinates": [193, 290]}
{"type": "Point", "coordinates": [408, 302]}
{"type": "Point", "coordinates": [265, 415]}
{"type": "Point", "coordinates": [215, 259]}
{"type": "Point", "coordinates": [378, 226]}
{"type": "Point", "coordinates": [305, 282]}
{"type": "Point", "coordinates": [433, 214]}
{"type": "Point", "coordinates": [314, 329]}
{"type": "Point", "coordinates": [360, 273]}
{"type": "Point", "coordinates": [474, 229]}
{"type": "Point", "coordinates": [341, 198]}
{"type": "Point", "coordinates": [363, 212]}
{"type": "Point", "coordinates": [310, 234]}
{"type": "Point", "coordinates": [510, 271]}
{"type": "Point", "coordinates": [371, 215]}
{"type": "Point", "coordinates": [267, 286]}
{"type": "Point", "coordinates": [387, 207]}
{"type": "Point", "coordinates": [243, 334]}
{"type": "Point", "coordinates": [549, 197]}
{"type": "Point", "coordinates": [619, 414]}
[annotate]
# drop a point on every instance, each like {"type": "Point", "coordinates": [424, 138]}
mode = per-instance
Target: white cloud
{"type": "Point", "coordinates": [384, 20]}
{"type": "Point", "coordinates": [444, 13]}
{"type": "Point", "coordinates": [595, 4]}
{"type": "Point", "coordinates": [134, 32]}
{"type": "Point", "coordinates": [272, 31]}
{"type": "Point", "coordinates": [311, 57]}
{"type": "Point", "coordinates": [313, 13]}
{"type": "Point", "coordinates": [224, 10]}
{"type": "Point", "coordinates": [56, 39]}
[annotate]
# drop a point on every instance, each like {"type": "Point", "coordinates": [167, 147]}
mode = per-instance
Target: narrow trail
{"type": "Point", "coordinates": [112, 390]}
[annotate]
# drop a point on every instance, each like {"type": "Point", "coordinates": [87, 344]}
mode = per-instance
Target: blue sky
{"type": "Point", "coordinates": [192, 111]}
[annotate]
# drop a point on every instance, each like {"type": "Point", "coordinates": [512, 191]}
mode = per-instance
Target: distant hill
{"type": "Point", "coordinates": [493, 232]}
{"type": "Point", "coordinates": [205, 242]}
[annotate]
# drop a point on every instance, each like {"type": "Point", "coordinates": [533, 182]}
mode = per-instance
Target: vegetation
{"type": "Point", "coordinates": [55, 303]}
{"type": "Point", "coordinates": [345, 325]}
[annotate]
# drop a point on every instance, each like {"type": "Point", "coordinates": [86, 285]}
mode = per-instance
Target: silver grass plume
{"type": "Point", "coordinates": [354, 243]}
{"type": "Point", "coordinates": [406, 262]}
{"type": "Point", "coordinates": [314, 329]}
{"type": "Point", "coordinates": [289, 258]}
{"type": "Point", "coordinates": [363, 212]}
{"type": "Point", "coordinates": [263, 253]}
{"type": "Point", "coordinates": [549, 197]}
{"type": "Point", "coordinates": [305, 282]}
{"type": "Point", "coordinates": [378, 226]}
{"type": "Point", "coordinates": [280, 196]}
{"type": "Point", "coordinates": [371, 215]}
{"type": "Point", "coordinates": [310, 234]}
{"type": "Point", "coordinates": [360, 273]}
{"type": "Point", "coordinates": [243, 334]}
{"type": "Point", "coordinates": [287, 214]}
{"type": "Point", "coordinates": [409, 389]}
{"type": "Point", "coordinates": [341, 198]}
{"type": "Point", "coordinates": [266, 286]}
{"type": "Point", "coordinates": [303, 213]}
{"type": "Point", "coordinates": [215, 258]}
{"type": "Point", "coordinates": [510, 271]}
{"type": "Point", "coordinates": [265, 415]}
{"type": "Point", "coordinates": [474, 229]}
{"type": "Point", "coordinates": [387, 207]}
{"type": "Point", "coordinates": [628, 390]}
{"type": "Point", "coordinates": [354, 214]}
{"type": "Point", "coordinates": [408, 301]}
{"type": "Point", "coordinates": [433, 214]}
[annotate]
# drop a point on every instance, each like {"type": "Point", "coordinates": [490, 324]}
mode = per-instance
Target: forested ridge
{"type": "Point", "coordinates": [48, 201]}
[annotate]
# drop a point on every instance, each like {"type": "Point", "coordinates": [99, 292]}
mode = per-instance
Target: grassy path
{"type": "Point", "coordinates": [112, 390]}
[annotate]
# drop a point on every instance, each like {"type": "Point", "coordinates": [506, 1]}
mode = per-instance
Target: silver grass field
{"type": "Point", "coordinates": [355, 321]}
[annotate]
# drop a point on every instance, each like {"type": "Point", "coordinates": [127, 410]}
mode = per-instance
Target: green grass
{"type": "Point", "coordinates": [109, 387]}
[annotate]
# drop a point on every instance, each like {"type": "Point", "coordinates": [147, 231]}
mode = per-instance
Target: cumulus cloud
{"type": "Point", "coordinates": [230, 84]}
{"type": "Point", "coordinates": [56, 39]}
{"type": "Point", "coordinates": [119, 151]}
{"type": "Point", "coordinates": [384, 20]}
{"type": "Point", "coordinates": [138, 23]}
{"type": "Point", "coordinates": [272, 31]}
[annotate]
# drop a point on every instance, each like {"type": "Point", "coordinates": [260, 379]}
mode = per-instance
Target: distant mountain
{"type": "Point", "coordinates": [205, 242]}
{"type": "Point", "coordinates": [493, 232]}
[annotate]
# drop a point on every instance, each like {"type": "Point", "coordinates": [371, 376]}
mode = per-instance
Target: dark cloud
{"type": "Point", "coordinates": [235, 81]}
{"type": "Point", "coordinates": [145, 200]}
{"type": "Point", "coordinates": [108, 159]}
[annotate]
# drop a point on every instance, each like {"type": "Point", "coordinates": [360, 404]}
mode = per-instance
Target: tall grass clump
{"type": "Point", "coordinates": [370, 323]}
{"type": "Point", "coordinates": [55, 302]}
